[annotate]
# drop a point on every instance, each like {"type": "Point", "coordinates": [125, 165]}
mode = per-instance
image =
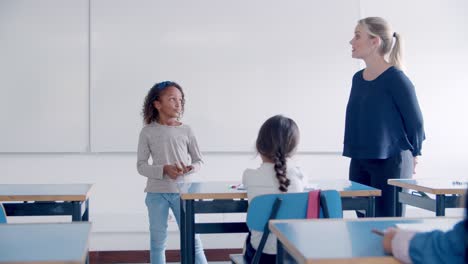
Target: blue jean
{"type": "Point", "coordinates": [158, 211]}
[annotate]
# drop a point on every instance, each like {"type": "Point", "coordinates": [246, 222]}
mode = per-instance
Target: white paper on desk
{"type": "Point", "coordinates": [430, 226]}
{"type": "Point", "coordinates": [241, 187]}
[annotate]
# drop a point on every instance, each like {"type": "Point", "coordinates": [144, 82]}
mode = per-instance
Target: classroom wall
{"type": "Point", "coordinates": [436, 56]}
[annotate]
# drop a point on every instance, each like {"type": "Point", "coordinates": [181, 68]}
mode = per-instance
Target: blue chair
{"type": "Point", "coordinates": [2, 214]}
{"type": "Point", "coordinates": [286, 206]}
{"type": "Point", "coordinates": [330, 204]}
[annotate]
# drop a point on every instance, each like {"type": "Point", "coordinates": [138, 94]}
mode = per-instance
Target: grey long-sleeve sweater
{"type": "Point", "coordinates": [166, 145]}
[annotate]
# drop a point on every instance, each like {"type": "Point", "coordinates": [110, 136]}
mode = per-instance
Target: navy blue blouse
{"type": "Point", "coordinates": [383, 117]}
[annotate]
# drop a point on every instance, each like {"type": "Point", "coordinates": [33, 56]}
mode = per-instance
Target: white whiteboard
{"type": "Point", "coordinates": [44, 76]}
{"type": "Point", "coordinates": [239, 62]}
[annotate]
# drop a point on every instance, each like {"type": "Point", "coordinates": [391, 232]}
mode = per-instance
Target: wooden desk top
{"type": "Point", "coordinates": [223, 190]}
{"type": "Point", "coordinates": [44, 242]}
{"type": "Point", "coordinates": [44, 192]}
{"type": "Point", "coordinates": [341, 240]}
{"type": "Point", "coordinates": [431, 185]}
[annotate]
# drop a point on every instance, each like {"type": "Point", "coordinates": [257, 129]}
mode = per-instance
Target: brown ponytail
{"type": "Point", "coordinates": [280, 168]}
{"type": "Point", "coordinates": [277, 140]}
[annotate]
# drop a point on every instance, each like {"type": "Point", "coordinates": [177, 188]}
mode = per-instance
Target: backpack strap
{"type": "Point", "coordinates": [313, 204]}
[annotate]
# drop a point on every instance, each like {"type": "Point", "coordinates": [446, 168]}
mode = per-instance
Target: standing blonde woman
{"type": "Point", "coordinates": [384, 125]}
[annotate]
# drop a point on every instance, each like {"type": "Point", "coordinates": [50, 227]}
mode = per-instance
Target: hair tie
{"type": "Point", "coordinates": [394, 34]}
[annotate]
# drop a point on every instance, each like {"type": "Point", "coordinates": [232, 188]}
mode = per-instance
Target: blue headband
{"type": "Point", "coordinates": [163, 85]}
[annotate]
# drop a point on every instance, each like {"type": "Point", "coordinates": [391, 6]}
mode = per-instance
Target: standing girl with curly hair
{"type": "Point", "coordinates": [175, 155]}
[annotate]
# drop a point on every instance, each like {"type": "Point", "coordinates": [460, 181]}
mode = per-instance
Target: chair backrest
{"type": "Point", "coordinates": [293, 206]}
{"type": "Point", "coordinates": [289, 206]}
{"type": "Point", "coordinates": [330, 203]}
{"type": "Point", "coordinates": [2, 214]}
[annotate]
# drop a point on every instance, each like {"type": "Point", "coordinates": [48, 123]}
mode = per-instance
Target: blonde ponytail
{"type": "Point", "coordinates": [378, 27]}
{"type": "Point", "coordinates": [395, 58]}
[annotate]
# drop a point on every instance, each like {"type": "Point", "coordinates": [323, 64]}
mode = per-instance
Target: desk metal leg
{"type": "Point", "coordinates": [371, 207]}
{"type": "Point", "coordinates": [283, 256]}
{"type": "Point", "coordinates": [76, 211]}
{"type": "Point", "coordinates": [86, 212]}
{"type": "Point", "coordinates": [187, 232]}
{"type": "Point", "coordinates": [440, 205]}
{"type": "Point", "coordinates": [279, 252]}
{"type": "Point", "coordinates": [183, 233]}
{"type": "Point", "coordinates": [398, 206]}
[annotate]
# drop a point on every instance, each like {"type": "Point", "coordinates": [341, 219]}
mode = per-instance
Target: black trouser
{"type": "Point", "coordinates": [250, 253]}
{"type": "Point", "coordinates": [376, 172]}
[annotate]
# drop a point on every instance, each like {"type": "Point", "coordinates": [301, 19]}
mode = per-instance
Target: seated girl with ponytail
{"type": "Point", "coordinates": [276, 143]}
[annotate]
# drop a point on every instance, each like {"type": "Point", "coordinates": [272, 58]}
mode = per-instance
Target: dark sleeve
{"type": "Point", "coordinates": [404, 97]}
{"type": "Point", "coordinates": [439, 247]}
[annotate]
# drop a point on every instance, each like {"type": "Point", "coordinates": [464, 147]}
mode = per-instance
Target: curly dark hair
{"type": "Point", "coordinates": [149, 112]}
{"type": "Point", "coordinates": [277, 140]}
